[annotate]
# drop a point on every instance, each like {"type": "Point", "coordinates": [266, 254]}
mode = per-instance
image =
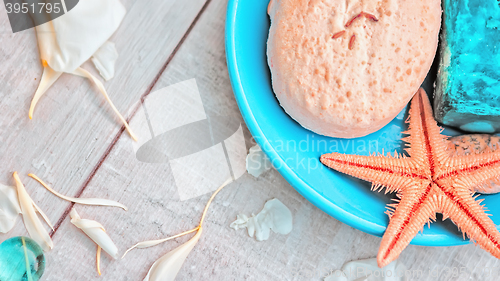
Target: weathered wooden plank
{"type": "Point", "coordinates": [72, 125]}
{"type": "Point", "coordinates": [318, 244]}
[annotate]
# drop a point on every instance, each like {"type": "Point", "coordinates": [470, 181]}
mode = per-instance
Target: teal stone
{"type": "Point", "coordinates": [468, 83]}
{"type": "Point", "coordinates": [13, 257]}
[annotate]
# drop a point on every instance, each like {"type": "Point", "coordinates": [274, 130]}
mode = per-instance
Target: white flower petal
{"type": "Point", "coordinates": [104, 60]}
{"type": "Point", "coordinates": [84, 73]}
{"type": "Point", "coordinates": [49, 76]}
{"type": "Point", "coordinates": [274, 216]}
{"type": "Point", "coordinates": [9, 208]}
{"type": "Point", "coordinates": [257, 161]}
{"type": "Point", "coordinates": [68, 41]}
{"type": "Point", "coordinates": [27, 260]}
{"type": "Point", "coordinates": [44, 216]}
{"type": "Point", "coordinates": [83, 201]}
{"type": "Point", "coordinates": [86, 224]}
{"type": "Point", "coordinates": [96, 232]}
{"type": "Point", "coordinates": [31, 221]}
{"type": "Point", "coordinates": [98, 260]}
{"type": "Point", "coordinates": [167, 267]}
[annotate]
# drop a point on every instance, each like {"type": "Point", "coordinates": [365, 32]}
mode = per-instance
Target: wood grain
{"type": "Point", "coordinates": [317, 246]}
{"type": "Point", "coordinates": [73, 126]}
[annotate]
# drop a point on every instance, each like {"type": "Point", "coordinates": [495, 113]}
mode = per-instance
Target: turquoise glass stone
{"type": "Point", "coordinates": [468, 82]}
{"type": "Point", "coordinates": [13, 256]}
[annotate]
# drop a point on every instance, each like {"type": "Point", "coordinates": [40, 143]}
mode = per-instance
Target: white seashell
{"type": "Point", "coordinates": [257, 161]}
{"type": "Point", "coordinates": [274, 216]}
{"type": "Point", "coordinates": [368, 270]}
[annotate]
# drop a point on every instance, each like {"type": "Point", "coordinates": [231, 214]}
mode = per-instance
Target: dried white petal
{"type": "Point", "coordinates": [151, 243]}
{"type": "Point", "coordinates": [84, 73]}
{"type": "Point", "coordinates": [44, 216]}
{"type": "Point", "coordinates": [26, 260]}
{"type": "Point", "coordinates": [83, 201]}
{"type": "Point", "coordinates": [49, 76]}
{"type": "Point", "coordinates": [96, 232]}
{"type": "Point", "coordinates": [9, 208]}
{"type": "Point", "coordinates": [31, 221]}
{"type": "Point", "coordinates": [104, 60]}
{"type": "Point", "coordinates": [66, 42]}
{"type": "Point", "coordinates": [368, 270]}
{"type": "Point", "coordinates": [257, 161]}
{"type": "Point", "coordinates": [167, 267]}
{"type": "Point", "coordinates": [274, 216]}
{"type": "Point", "coordinates": [98, 259]}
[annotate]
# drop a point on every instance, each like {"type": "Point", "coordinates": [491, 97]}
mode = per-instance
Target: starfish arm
{"type": "Point", "coordinates": [415, 209]}
{"type": "Point", "coordinates": [470, 218]}
{"type": "Point", "coordinates": [415, 140]}
{"type": "Point", "coordinates": [427, 143]}
{"type": "Point", "coordinates": [390, 172]}
{"type": "Point", "coordinates": [459, 165]}
{"type": "Point", "coordinates": [490, 187]}
{"type": "Point", "coordinates": [481, 177]}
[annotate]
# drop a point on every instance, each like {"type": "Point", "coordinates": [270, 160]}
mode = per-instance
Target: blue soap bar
{"type": "Point", "coordinates": [468, 84]}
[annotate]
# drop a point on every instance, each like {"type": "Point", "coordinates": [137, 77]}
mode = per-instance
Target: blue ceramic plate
{"type": "Point", "coordinates": [295, 151]}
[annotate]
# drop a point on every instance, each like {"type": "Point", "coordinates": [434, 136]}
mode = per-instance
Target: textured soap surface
{"type": "Point", "coordinates": [345, 69]}
{"type": "Point", "coordinates": [468, 83]}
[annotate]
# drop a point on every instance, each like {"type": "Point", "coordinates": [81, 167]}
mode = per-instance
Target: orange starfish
{"type": "Point", "coordinates": [430, 181]}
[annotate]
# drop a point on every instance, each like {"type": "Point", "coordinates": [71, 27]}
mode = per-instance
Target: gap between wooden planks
{"type": "Point", "coordinates": [122, 129]}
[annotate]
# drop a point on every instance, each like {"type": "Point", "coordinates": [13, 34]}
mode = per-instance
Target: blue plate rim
{"type": "Point", "coordinates": [297, 183]}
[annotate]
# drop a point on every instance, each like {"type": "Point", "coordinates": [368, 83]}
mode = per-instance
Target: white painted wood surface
{"type": "Point", "coordinates": [71, 133]}
{"type": "Point", "coordinates": [72, 126]}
